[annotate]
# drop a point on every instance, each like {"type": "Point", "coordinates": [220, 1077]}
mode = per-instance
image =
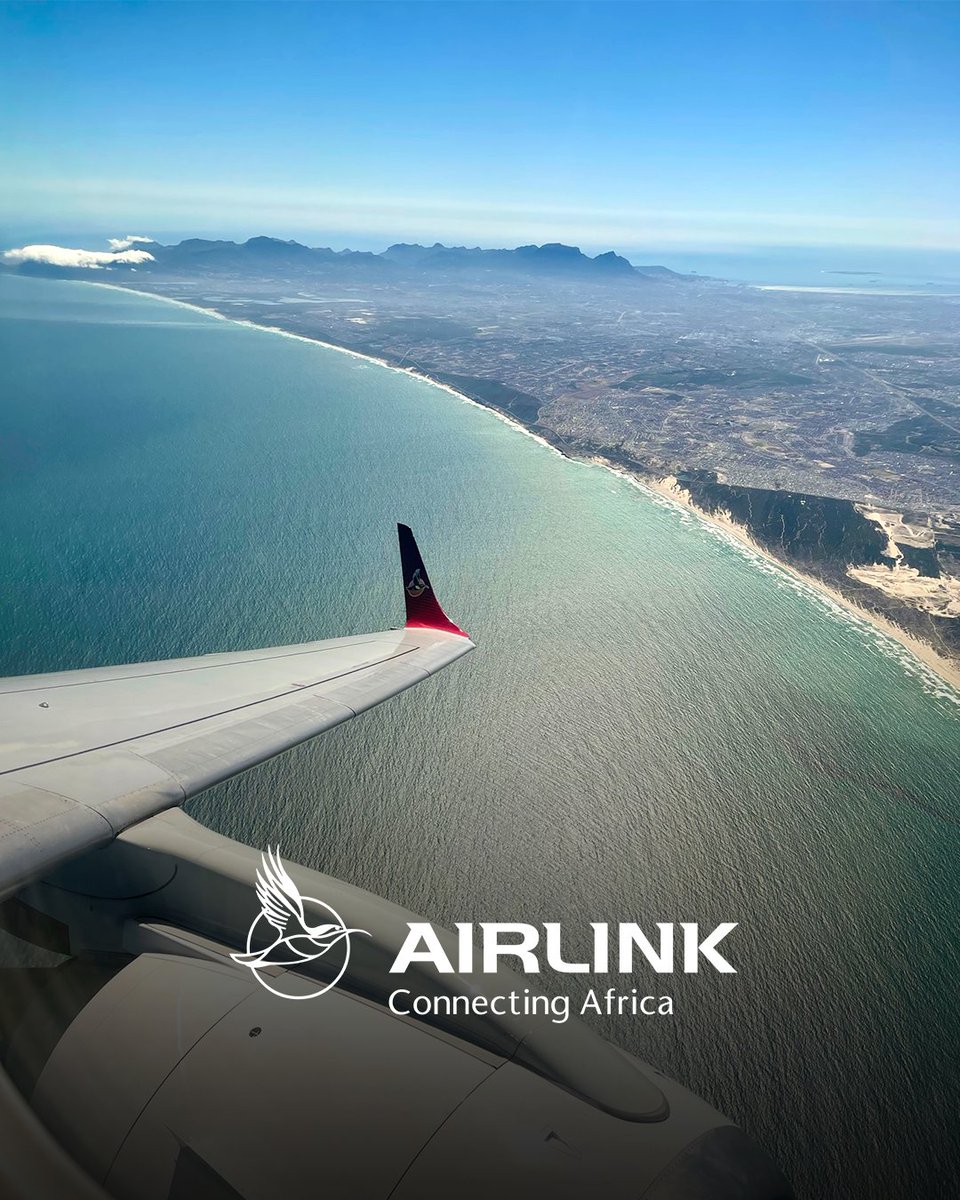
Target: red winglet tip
{"type": "Point", "coordinates": [423, 608]}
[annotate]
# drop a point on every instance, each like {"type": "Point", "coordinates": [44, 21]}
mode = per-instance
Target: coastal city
{"type": "Point", "coordinates": [831, 392]}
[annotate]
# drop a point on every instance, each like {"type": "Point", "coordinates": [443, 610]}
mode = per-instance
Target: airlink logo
{"type": "Point", "coordinates": [520, 943]}
{"type": "Point", "coordinates": [291, 931]}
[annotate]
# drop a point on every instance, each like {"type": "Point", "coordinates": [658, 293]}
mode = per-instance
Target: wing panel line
{"type": "Point", "coordinates": [210, 666]}
{"type": "Point", "coordinates": [293, 691]}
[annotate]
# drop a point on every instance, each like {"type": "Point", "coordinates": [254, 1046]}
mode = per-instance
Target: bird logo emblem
{"type": "Point", "coordinates": [282, 936]}
{"type": "Point", "coordinates": [417, 585]}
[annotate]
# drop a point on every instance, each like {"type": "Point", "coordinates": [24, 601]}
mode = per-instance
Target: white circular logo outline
{"type": "Point", "coordinates": [280, 901]}
{"type": "Point", "coordinates": [306, 995]}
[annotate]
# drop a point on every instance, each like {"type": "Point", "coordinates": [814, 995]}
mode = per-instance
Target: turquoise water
{"type": "Point", "coordinates": [653, 727]}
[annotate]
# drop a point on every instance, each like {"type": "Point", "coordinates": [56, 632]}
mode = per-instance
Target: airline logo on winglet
{"type": "Point", "coordinates": [417, 585]}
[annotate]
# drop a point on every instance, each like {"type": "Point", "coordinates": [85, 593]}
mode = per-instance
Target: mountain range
{"type": "Point", "coordinates": [261, 256]}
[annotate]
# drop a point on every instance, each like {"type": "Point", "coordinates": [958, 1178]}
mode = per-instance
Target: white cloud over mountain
{"type": "Point", "coordinates": [65, 256]}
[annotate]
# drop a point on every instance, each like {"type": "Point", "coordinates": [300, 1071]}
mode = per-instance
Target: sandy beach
{"type": "Point", "coordinates": [668, 489]}
{"type": "Point", "coordinates": [943, 668]}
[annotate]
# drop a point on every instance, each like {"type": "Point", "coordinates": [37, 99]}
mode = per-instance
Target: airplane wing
{"type": "Point", "coordinates": [86, 754]}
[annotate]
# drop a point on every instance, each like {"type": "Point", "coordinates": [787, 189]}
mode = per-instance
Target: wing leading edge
{"type": "Point", "coordinates": [86, 754]}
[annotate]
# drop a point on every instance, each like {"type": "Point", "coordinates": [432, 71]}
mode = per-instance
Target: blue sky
{"type": "Point", "coordinates": [675, 125]}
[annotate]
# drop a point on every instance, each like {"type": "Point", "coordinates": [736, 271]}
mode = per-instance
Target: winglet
{"type": "Point", "coordinates": [423, 608]}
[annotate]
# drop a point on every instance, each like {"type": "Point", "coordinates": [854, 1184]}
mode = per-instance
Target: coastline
{"type": "Point", "coordinates": [945, 670]}
{"type": "Point", "coordinates": [316, 341]}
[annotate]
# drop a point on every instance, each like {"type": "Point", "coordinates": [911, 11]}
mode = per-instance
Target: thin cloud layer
{"type": "Point", "coordinates": [64, 256]}
{"type": "Point", "coordinates": [126, 242]}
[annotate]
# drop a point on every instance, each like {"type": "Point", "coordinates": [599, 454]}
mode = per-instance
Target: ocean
{"type": "Point", "coordinates": [655, 726]}
{"type": "Point", "coordinates": [913, 271]}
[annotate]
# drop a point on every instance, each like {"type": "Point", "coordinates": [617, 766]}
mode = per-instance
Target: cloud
{"type": "Point", "coordinates": [126, 242]}
{"type": "Point", "coordinates": [64, 256]}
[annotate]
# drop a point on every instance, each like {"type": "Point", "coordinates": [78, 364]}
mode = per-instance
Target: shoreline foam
{"type": "Point", "coordinates": [926, 656]}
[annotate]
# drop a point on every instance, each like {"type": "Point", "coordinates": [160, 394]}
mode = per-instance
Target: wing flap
{"type": "Point", "coordinates": [39, 829]}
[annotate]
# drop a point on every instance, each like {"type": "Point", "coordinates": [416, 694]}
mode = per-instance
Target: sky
{"type": "Point", "coordinates": [674, 125]}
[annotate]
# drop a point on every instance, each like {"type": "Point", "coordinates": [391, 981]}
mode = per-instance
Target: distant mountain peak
{"type": "Point", "coordinates": [551, 256]}
{"type": "Point", "coordinates": [611, 261]}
